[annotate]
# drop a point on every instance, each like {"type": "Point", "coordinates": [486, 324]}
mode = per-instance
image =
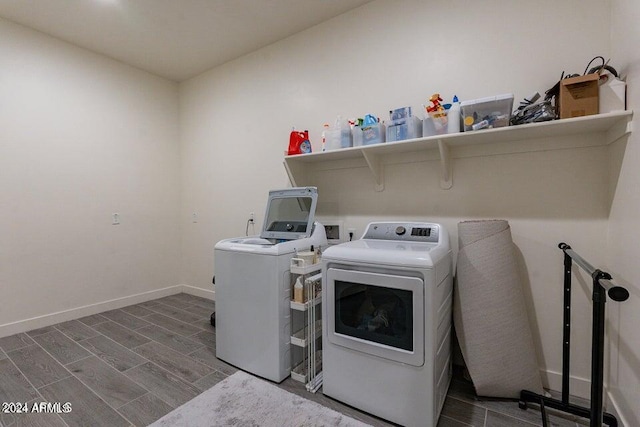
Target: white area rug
{"type": "Point", "coordinates": [244, 400]}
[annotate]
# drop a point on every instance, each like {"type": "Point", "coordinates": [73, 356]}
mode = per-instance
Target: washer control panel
{"type": "Point", "coordinates": [403, 231]}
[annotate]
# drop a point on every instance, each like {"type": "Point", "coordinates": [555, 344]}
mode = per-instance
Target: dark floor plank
{"type": "Point", "coordinates": [464, 412]}
{"type": "Point", "coordinates": [206, 304]}
{"type": "Point", "coordinates": [112, 353]}
{"type": "Point", "coordinates": [205, 338]}
{"type": "Point", "coordinates": [125, 319]}
{"type": "Point", "coordinates": [31, 418]}
{"type": "Point", "coordinates": [172, 301]}
{"type": "Point", "coordinates": [14, 387]}
{"type": "Point", "coordinates": [15, 342]}
{"type": "Point", "coordinates": [173, 361]}
{"type": "Point", "coordinates": [171, 389]}
{"type": "Point", "coordinates": [77, 330]}
{"type": "Point", "coordinates": [184, 297]}
{"type": "Point", "coordinates": [121, 335]}
{"type": "Point", "coordinates": [148, 304]}
{"type": "Point", "coordinates": [40, 331]}
{"type": "Point", "coordinates": [206, 382]}
{"type": "Point", "coordinates": [87, 409]}
{"type": "Point", "coordinates": [495, 419]}
{"type": "Point", "coordinates": [202, 312]}
{"type": "Point", "coordinates": [207, 356]}
{"type": "Point", "coordinates": [137, 310]}
{"type": "Point", "coordinates": [94, 319]}
{"type": "Point", "coordinates": [61, 347]}
{"type": "Point", "coordinates": [532, 415]}
{"type": "Point", "coordinates": [112, 386]}
{"type": "Point", "coordinates": [448, 422]}
{"type": "Point", "coordinates": [145, 410]}
{"type": "Point", "coordinates": [3, 355]}
{"type": "Point", "coordinates": [204, 324]}
{"type": "Point", "coordinates": [176, 313]}
{"type": "Point", "coordinates": [39, 368]}
{"type": "Point", "coordinates": [170, 339]}
{"type": "Point", "coordinates": [462, 389]}
{"type": "Point", "coordinates": [173, 325]}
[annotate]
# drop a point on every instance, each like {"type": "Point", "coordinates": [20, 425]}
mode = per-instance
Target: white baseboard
{"type": "Point", "coordinates": [87, 310]}
{"type": "Point", "coordinates": [614, 407]}
{"type": "Point", "coordinates": [580, 387]}
{"type": "Point", "coordinates": [199, 292]}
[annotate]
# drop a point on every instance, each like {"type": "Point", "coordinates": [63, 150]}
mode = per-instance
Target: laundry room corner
{"type": "Point", "coordinates": [622, 247]}
{"type": "Point", "coordinates": [543, 194]}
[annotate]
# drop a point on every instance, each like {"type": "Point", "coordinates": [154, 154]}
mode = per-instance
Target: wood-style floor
{"type": "Point", "coordinates": [133, 365]}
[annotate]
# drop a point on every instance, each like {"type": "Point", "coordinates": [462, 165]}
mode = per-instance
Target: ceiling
{"type": "Point", "coordinates": [176, 39]}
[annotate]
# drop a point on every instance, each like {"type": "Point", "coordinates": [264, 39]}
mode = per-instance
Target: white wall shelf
{"type": "Point", "coordinates": [612, 125]}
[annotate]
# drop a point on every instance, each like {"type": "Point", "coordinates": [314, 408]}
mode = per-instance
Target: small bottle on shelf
{"type": "Point", "coordinates": [298, 291]}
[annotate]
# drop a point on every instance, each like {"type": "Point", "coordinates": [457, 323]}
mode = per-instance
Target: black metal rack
{"type": "Point", "coordinates": [602, 286]}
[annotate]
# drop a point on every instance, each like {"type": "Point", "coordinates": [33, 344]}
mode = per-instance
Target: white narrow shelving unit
{"type": "Point", "coordinates": [521, 138]}
{"type": "Point", "coordinates": [309, 370]}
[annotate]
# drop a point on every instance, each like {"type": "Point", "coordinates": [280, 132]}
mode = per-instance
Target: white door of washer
{"type": "Point", "coordinates": [377, 314]}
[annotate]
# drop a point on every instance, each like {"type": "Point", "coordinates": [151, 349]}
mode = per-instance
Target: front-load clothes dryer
{"type": "Point", "coordinates": [253, 285]}
{"type": "Point", "coordinates": [386, 334]}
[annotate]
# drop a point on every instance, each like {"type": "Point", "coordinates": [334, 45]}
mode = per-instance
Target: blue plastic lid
{"type": "Point", "coordinates": [455, 98]}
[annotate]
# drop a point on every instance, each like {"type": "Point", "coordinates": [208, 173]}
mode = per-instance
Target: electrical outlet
{"type": "Point", "coordinates": [115, 219]}
{"type": "Point", "coordinates": [252, 217]}
{"type": "Point", "coordinates": [352, 233]}
{"type": "Point", "coordinates": [194, 217]}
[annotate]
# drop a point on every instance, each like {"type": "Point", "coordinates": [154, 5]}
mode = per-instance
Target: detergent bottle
{"type": "Point", "coordinates": [299, 142]}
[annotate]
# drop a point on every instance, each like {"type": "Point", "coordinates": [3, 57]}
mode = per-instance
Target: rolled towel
{"type": "Point", "coordinates": [489, 311]}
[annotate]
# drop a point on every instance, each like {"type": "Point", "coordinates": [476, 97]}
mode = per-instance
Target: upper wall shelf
{"type": "Point", "coordinates": [612, 125]}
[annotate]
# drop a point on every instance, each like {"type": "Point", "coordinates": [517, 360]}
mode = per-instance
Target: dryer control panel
{"type": "Point", "coordinates": [403, 231]}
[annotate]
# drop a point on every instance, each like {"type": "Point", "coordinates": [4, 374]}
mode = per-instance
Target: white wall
{"type": "Point", "coordinates": [81, 137]}
{"type": "Point", "coordinates": [235, 122]}
{"type": "Point", "coordinates": [623, 249]}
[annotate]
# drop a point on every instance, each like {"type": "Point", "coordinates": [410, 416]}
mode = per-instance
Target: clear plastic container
{"type": "Point", "coordinates": [406, 128]}
{"type": "Point", "coordinates": [487, 113]}
{"type": "Point", "coordinates": [373, 134]}
{"type": "Point", "coordinates": [435, 123]}
{"type": "Point", "coordinates": [356, 134]}
{"type": "Point", "coordinates": [338, 136]}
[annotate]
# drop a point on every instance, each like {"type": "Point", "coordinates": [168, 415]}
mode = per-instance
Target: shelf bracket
{"type": "Point", "coordinates": [292, 179]}
{"type": "Point", "coordinates": [296, 172]}
{"type": "Point", "coordinates": [376, 168]}
{"type": "Point", "coordinates": [621, 128]}
{"type": "Point", "coordinates": [446, 177]}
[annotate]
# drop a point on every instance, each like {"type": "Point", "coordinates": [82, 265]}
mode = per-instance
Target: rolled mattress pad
{"type": "Point", "coordinates": [490, 315]}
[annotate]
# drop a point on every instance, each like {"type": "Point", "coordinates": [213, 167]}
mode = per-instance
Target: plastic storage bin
{"type": "Point", "coordinates": [435, 123]}
{"type": "Point", "coordinates": [338, 138]}
{"type": "Point", "coordinates": [356, 134]}
{"type": "Point", "coordinates": [487, 113]}
{"type": "Point", "coordinates": [373, 134]}
{"type": "Point", "coordinates": [405, 128]}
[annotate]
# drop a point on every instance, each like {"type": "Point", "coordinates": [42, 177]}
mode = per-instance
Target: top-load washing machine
{"type": "Point", "coordinates": [386, 334]}
{"type": "Point", "coordinates": [253, 285]}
